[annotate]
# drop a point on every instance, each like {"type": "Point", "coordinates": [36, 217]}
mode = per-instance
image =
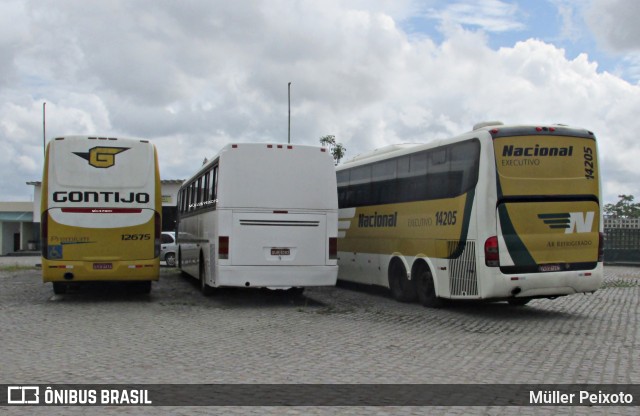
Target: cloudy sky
{"type": "Point", "coordinates": [194, 75]}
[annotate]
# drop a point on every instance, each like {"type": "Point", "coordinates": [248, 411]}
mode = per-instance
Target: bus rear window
{"type": "Point", "coordinates": [546, 165]}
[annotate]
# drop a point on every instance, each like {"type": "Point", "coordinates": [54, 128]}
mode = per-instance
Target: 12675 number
{"type": "Point", "coordinates": [135, 237]}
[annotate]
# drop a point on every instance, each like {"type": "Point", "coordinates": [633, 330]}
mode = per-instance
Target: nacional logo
{"type": "Point", "coordinates": [569, 221]}
{"type": "Point", "coordinates": [102, 157]}
{"type": "Point", "coordinates": [378, 220]}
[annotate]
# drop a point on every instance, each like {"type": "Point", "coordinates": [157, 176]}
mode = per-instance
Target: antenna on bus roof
{"type": "Point", "coordinates": [487, 124]}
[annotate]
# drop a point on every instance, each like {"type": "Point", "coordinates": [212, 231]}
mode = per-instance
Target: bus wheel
{"type": "Point", "coordinates": [426, 289]}
{"type": "Point", "coordinates": [295, 291]}
{"type": "Point", "coordinates": [518, 301]}
{"type": "Point", "coordinates": [142, 287]}
{"type": "Point", "coordinates": [204, 287]}
{"type": "Point", "coordinates": [170, 259]}
{"type": "Point", "coordinates": [402, 289]}
{"type": "Point", "coordinates": [59, 288]}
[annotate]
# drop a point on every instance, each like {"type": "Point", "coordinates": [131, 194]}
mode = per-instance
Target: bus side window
{"type": "Point", "coordinates": [360, 186]}
{"type": "Point", "coordinates": [214, 183]}
{"type": "Point", "coordinates": [199, 193]}
{"type": "Point", "coordinates": [192, 199]}
{"type": "Point", "coordinates": [206, 187]}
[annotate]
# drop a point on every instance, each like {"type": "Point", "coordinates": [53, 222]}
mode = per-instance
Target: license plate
{"type": "Point", "coordinates": [280, 252]}
{"type": "Point", "coordinates": [102, 266]}
{"type": "Point", "coordinates": [550, 268]}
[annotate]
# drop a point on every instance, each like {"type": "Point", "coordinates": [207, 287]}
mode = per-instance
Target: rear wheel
{"type": "Point", "coordinates": [402, 289]}
{"type": "Point", "coordinates": [59, 288]}
{"type": "Point", "coordinates": [295, 291]}
{"type": "Point", "coordinates": [204, 287]}
{"type": "Point", "coordinates": [142, 287]}
{"type": "Point", "coordinates": [170, 259]}
{"type": "Point", "coordinates": [426, 288]}
{"type": "Point", "coordinates": [518, 301]}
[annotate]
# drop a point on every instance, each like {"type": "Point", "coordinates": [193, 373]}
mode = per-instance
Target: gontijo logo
{"type": "Point", "coordinates": [569, 221]}
{"type": "Point", "coordinates": [102, 157]}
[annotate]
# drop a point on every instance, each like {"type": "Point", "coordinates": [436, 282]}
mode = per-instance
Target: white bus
{"type": "Point", "coordinates": [500, 213]}
{"type": "Point", "coordinates": [100, 212]}
{"type": "Point", "coordinates": [260, 215]}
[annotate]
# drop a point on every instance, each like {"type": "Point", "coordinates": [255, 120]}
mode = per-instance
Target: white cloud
{"type": "Point", "coordinates": [193, 78]}
{"type": "Point", "coordinates": [615, 23]}
{"type": "Point", "coordinates": [488, 15]}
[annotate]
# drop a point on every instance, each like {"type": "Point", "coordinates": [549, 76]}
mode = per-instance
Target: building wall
{"type": "Point", "coordinates": [622, 223]}
{"type": "Point", "coordinates": [8, 230]}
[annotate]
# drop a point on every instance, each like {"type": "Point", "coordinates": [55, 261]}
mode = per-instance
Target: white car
{"type": "Point", "coordinates": [168, 248]}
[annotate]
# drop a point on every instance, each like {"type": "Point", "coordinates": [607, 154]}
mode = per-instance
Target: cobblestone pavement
{"type": "Point", "coordinates": [328, 335]}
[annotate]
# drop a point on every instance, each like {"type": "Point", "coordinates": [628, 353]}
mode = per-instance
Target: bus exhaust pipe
{"type": "Point", "coordinates": [515, 291]}
{"type": "Point", "coordinates": [68, 276]}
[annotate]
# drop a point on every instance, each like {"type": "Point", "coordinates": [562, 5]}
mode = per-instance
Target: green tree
{"type": "Point", "coordinates": [624, 208]}
{"type": "Point", "coordinates": [336, 149]}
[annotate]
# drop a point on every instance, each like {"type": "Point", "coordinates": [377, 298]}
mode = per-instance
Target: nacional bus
{"type": "Point", "coordinates": [100, 212]}
{"type": "Point", "coordinates": [260, 215]}
{"type": "Point", "coordinates": [499, 213]}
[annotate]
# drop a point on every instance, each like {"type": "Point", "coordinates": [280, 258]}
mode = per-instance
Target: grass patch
{"type": "Point", "coordinates": [16, 268]}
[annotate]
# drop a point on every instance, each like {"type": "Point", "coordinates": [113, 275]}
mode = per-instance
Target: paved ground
{"type": "Point", "coordinates": [329, 335]}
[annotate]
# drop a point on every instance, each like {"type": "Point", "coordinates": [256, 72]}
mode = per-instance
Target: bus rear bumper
{"type": "Point", "coordinates": [276, 276]}
{"type": "Point", "coordinates": [100, 271]}
{"type": "Point", "coordinates": [550, 284]}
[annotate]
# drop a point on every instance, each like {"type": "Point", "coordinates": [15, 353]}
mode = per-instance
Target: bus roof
{"type": "Point", "coordinates": [250, 146]}
{"type": "Point", "coordinates": [492, 129]}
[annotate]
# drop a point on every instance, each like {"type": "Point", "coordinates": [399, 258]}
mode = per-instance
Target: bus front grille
{"type": "Point", "coordinates": [463, 279]}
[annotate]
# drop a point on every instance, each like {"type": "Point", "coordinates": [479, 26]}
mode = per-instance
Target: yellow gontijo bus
{"type": "Point", "coordinates": [500, 213]}
{"type": "Point", "coordinates": [101, 212]}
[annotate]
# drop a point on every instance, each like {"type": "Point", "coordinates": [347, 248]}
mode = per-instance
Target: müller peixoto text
{"type": "Point", "coordinates": [581, 397]}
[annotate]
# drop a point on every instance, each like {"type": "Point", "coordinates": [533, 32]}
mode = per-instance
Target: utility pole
{"type": "Point", "coordinates": [44, 129]}
{"type": "Point", "coordinates": [289, 131]}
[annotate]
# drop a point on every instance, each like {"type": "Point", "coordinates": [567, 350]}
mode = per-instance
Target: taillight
{"type": "Point", "coordinates": [44, 234]}
{"type": "Point", "coordinates": [223, 247]}
{"type": "Point", "coordinates": [491, 252]}
{"type": "Point", "coordinates": [333, 248]}
{"type": "Point", "coordinates": [157, 241]}
{"type": "Point", "coordinates": [601, 248]}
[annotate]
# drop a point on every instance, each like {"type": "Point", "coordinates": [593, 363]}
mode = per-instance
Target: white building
{"type": "Point", "coordinates": [632, 223]}
{"type": "Point", "coordinates": [18, 232]}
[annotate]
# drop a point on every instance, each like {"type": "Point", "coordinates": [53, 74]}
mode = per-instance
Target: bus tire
{"type": "Point", "coordinates": [426, 288]}
{"type": "Point", "coordinates": [170, 259]}
{"type": "Point", "coordinates": [204, 287]}
{"type": "Point", "coordinates": [518, 301]}
{"type": "Point", "coordinates": [143, 288]}
{"type": "Point", "coordinates": [402, 289]}
{"type": "Point", "coordinates": [295, 292]}
{"type": "Point", "coordinates": [59, 288]}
